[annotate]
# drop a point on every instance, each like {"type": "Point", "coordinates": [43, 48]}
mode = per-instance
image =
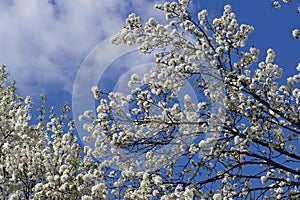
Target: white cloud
{"type": "Point", "coordinates": [43, 42]}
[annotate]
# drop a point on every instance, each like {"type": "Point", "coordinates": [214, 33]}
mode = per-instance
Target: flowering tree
{"type": "Point", "coordinates": [238, 142]}
{"type": "Point", "coordinates": [43, 160]}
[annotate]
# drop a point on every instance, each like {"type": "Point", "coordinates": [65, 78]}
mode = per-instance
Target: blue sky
{"type": "Point", "coordinates": [44, 43]}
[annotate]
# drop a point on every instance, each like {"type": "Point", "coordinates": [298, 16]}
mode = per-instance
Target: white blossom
{"type": "Point", "coordinates": [217, 197]}
{"type": "Point", "coordinates": [295, 33]}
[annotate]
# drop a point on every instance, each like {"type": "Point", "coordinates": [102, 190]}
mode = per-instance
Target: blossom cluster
{"type": "Point", "coordinates": [166, 148]}
{"type": "Point", "coordinates": [42, 160]}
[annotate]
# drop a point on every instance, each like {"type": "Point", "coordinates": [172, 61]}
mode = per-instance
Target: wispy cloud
{"type": "Point", "coordinates": [43, 42]}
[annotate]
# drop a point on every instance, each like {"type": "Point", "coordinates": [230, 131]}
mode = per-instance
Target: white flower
{"type": "Point", "coordinates": [276, 4]}
{"type": "Point", "coordinates": [5, 145]}
{"type": "Point", "coordinates": [155, 193]}
{"type": "Point", "coordinates": [112, 174]}
{"type": "Point", "coordinates": [261, 65]}
{"type": "Point", "coordinates": [248, 183]}
{"type": "Point", "coordinates": [96, 92]}
{"type": "Point", "coordinates": [157, 180]}
{"type": "Point", "coordinates": [86, 197]}
{"type": "Point", "coordinates": [296, 92]}
{"type": "Point", "coordinates": [270, 56]}
{"type": "Point", "coordinates": [202, 14]}
{"type": "Point", "coordinates": [264, 180]}
{"type": "Point", "coordinates": [295, 33]}
{"type": "Point", "coordinates": [98, 188]}
{"type": "Point", "coordinates": [63, 187]}
{"type": "Point", "coordinates": [298, 67]}
{"type": "Point", "coordinates": [202, 106]}
{"type": "Point", "coordinates": [217, 197]}
{"type": "Point", "coordinates": [237, 140]}
{"type": "Point", "coordinates": [227, 8]}
{"type": "Point", "coordinates": [64, 178]}
{"type": "Point", "coordinates": [254, 51]}
{"type": "Point", "coordinates": [134, 77]}
{"type": "Point", "coordinates": [87, 177]}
